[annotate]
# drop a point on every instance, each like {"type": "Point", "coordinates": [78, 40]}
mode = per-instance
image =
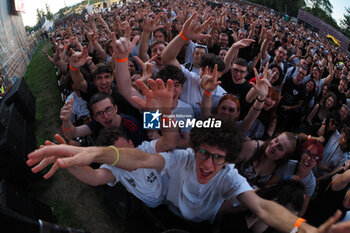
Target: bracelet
{"type": "Point", "coordinates": [64, 128]}
{"type": "Point", "coordinates": [93, 43]}
{"type": "Point", "coordinates": [184, 37]}
{"type": "Point", "coordinates": [297, 225]}
{"type": "Point", "coordinates": [261, 101]}
{"type": "Point", "coordinates": [73, 69]}
{"type": "Point", "coordinates": [121, 60]}
{"type": "Point", "coordinates": [309, 137]}
{"type": "Point", "coordinates": [288, 108]}
{"type": "Point", "coordinates": [323, 125]}
{"type": "Point", "coordinates": [169, 29]}
{"type": "Point", "coordinates": [257, 109]}
{"type": "Point", "coordinates": [207, 93]}
{"type": "Point", "coordinates": [117, 159]}
{"type": "Point", "coordinates": [90, 63]}
{"type": "Point", "coordinates": [65, 47]}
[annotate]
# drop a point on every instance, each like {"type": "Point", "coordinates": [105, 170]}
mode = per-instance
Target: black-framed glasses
{"type": "Point", "coordinates": [101, 114]}
{"type": "Point", "coordinates": [238, 70]}
{"type": "Point", "coordinates": [217, 159]}
{"type": "Point", "coordinates": [308, 153]}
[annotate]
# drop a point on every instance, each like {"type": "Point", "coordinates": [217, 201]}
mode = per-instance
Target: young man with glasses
{"type": "Point", "coordinates": [104, 113]}
{"type": "Point", "coordinates": [201, 178]}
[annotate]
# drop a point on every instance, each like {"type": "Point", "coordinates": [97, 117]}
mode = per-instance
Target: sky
{"type": "Point", "coordinates": [30, 6]}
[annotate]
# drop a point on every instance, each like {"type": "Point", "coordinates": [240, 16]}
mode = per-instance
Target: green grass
{"type": "Point", "coordinates": [42, 81]}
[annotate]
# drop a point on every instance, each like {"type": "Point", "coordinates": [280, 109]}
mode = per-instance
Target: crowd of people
{"type": "Point", "coordinates": [280, 91]}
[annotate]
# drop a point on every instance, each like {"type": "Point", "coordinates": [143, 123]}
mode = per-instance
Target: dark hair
{"type": "Point", "coordinates": [163, 31]}
{"type": "Point", "coordinates": [158, 42]}
{"type": "Point", "coordinates": [210, 59]}
{"type": "Point", "coordinates": [285, 192]}
{"type": "Point", "coordinates": [199, 47]}
{"type": "Point", "coordinates": [99, 97]}
{"type": "Point", "coordinates": [102, 68]}
{"type": "Point", "coordinates": [108, 135]}
{"type": "Point", "coordinates": [228, 138]}
{"type": "Point", "coordinates": [346, 131]}
{"type": "Point", "coordinates": [171, 72]}
{"type": "Point", "coordinates": [240, 61]}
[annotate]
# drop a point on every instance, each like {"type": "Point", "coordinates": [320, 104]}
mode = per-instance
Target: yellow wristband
{"type": "Point", "coordinates": [117, 159]}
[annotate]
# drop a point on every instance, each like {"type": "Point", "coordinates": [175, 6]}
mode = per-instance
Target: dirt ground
{"type": "Point", "coordinates": [79, 205]}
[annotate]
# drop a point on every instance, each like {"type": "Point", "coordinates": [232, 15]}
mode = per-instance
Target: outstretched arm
{"type": "Point", "coordinates": [280, 218]}
{"type": "Point", "coordinates": [77, 60]}
{"type": "Point", "coordinates": [191, 30]}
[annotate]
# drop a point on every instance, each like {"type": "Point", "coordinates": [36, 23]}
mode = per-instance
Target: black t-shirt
{"type": "Point", "coordinates": [240, 90]}
{"type": "Point", "coordinates": [132, 126]}
{"type": "Point", "coordinates": [341, 97]}
{"type": "Point", "coordinates": [292, 93]}
{"type": "Point", "coordinates": [124, 106]}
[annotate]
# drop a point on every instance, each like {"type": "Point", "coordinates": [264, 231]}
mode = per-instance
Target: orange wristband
{"type": "Point", "coordinates": [184, 37]}
{"type": "Point", "coordinates": [121, 60]}
{"type": "Point", "coordinates": [65, 47]}
{"type": "Point", "coordinates": [207, 93]}
{"type": "Point", "coordinates": [73, 69]}
{"type": "Point", "coordinates": [309, 137]}
{"type": "Point", "coordinates": [288, 107]}
{"type": "Point", "coordinates": [323, 125]}
{"type": "Point", "coordinates": [64, 128]}
{"type": "Point", "coordinates": [297, 225]}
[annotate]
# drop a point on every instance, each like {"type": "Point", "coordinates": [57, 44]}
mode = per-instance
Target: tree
{"type": "Point", "coordinates": [49, 14]}
{"type": "Point", "coordinates": [345, 23]}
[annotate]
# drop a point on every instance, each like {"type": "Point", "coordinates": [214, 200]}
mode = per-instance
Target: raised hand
{"type": "Point", "coordinates": [147, 67]}
{"type": "Point", "coordinates": [210, 82]}
{"type": "Point", "coordinates": [150, 25]}
{"type": "Point", "coordinates": [192, 30]}
{"type": "Point", "coordinates": [243, 43]}
{"type": "Point", "coordinates": [65, 156]}
{"type": "Point", "coordinates": [158, 96]}
{"type": "Point", "coordinates": [66, 110]}
{"type": "Point", "coordinates": [262, 85]}
{"type": "Point", "coordinates": [78, 59]}
{"type": "Point", "coordinates": [123, 47]}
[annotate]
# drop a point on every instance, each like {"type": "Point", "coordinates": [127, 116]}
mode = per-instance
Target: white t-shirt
{"type": "Point", "coordinates": [192, 200]}
{"type": "Point", "coordinates": [183, 112]}
{"type": "Point", "coordinates": [192, 92]}
{"type": "Point", "coordinates": [79, 107]}
{"type": "Point", "coordinates": [146, 184]}
{"type": "Point", "coordinates": [286, 171]}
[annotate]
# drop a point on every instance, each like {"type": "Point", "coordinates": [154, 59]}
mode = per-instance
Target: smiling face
{"type": "Point", "coordinates": [309, 86]}
{"type": "Point", "coordinates": [105, 113]}
{"type": "Point", "coordinates": [238, 73]}
{"type": "Point", "coordinates": [278, 147]}
{"type": "Point", "coordinates": [157, 50]}
{"type": "Point", "coordinates": [308, 157]}
{"type": "Point", "coordinates": [103, 82]}
{"type": "Point", "coordinates": [329, 102]}
{"type": "Point", "coordinates": [207, 169]}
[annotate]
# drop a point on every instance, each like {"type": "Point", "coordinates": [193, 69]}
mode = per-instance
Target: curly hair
{"type": "Point", "coordinates": [227, 138]}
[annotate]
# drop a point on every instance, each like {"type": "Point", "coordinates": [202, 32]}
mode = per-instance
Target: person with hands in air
{"type": "Point", "coordinates": [150, 25]}
{"type": "Point", "coordinates": [123, 47]}
{"type": "Point", "coordinates": [151, 193]}
{"type": "Point", "coordinates": [229, 104]}
{"type": "Point", "coordinates": [205, 166]}
{"type": "Point", "coordinates": [192, 92]}
{"type": "Point", "coordinates": [102, 81]}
